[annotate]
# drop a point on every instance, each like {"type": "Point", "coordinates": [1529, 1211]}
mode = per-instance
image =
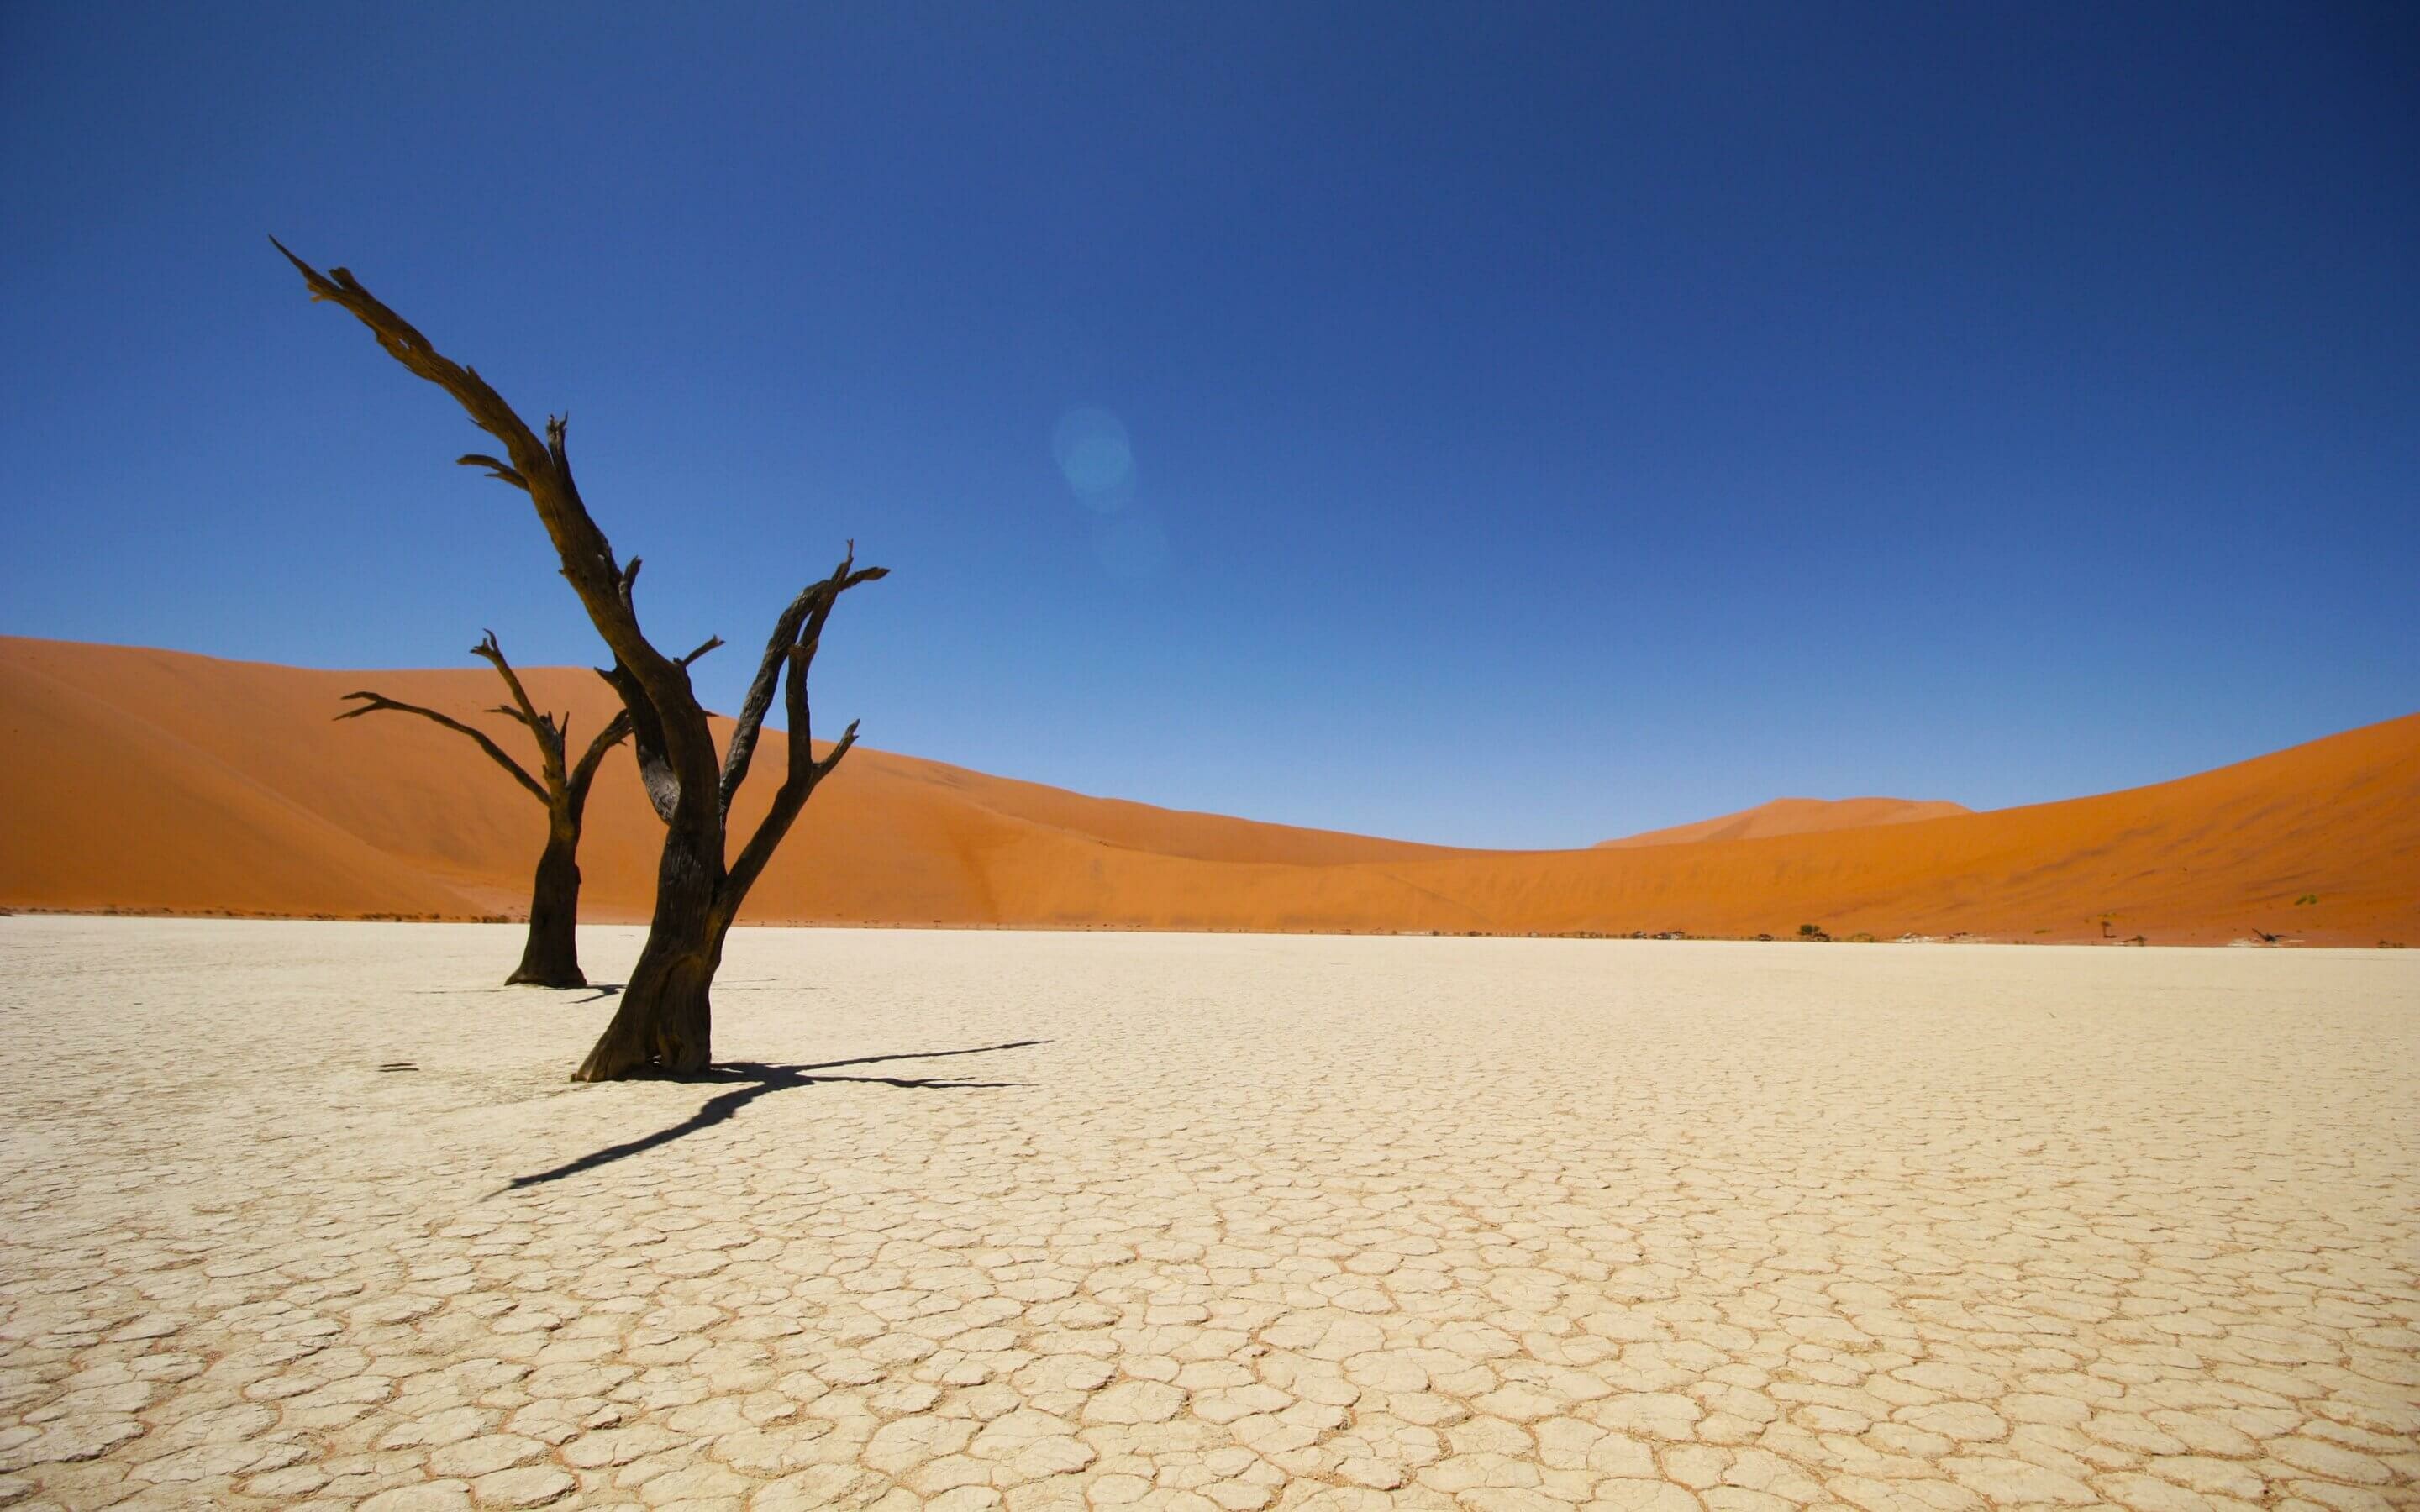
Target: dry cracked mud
{"type": "Point", "coordinates": [305, 1215]}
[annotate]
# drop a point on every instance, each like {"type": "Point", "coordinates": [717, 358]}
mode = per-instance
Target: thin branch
{"type": "Point", "coordinates": [372, 702]}
{"type": "Point", "coordinates": [549, 733]}
{"type": "Point", "coordinates": [576, 788]}
{"type": "Point", "coordinates": [798, 783]}
{"type": "Point", "coordinates": [501, 471]}
{"type": "Point", "coordinates": [493, 654]}
{"type": "Point", "coordinates": [750, 721]}
{"type": "Point", "coordinates": [801, 623]}
{"type": "Point", "coordinates": [811, 639]}
{"type": "Point", "coordinates": [624, 581]}
{"type": "Point", "coordinates": [840, 749]}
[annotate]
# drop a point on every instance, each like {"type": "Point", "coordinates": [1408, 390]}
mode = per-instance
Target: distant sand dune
{"type": "Point", "coordinates": [1793, 816]}
{"type": "Point", "coordinates": [159, 780]}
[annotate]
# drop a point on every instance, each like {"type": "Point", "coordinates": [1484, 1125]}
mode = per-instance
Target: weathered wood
{"type": "Point", "coordinates": [551, 956]}
{"type": "Point", "coordinates": [664, 1021]}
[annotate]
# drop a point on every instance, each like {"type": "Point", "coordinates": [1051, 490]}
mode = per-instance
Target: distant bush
{"type": "Point", "coordinates": [2307, 898]}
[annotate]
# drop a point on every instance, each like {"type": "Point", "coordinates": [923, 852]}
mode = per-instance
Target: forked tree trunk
{"type": "Point", "coordinates": [550, 958]}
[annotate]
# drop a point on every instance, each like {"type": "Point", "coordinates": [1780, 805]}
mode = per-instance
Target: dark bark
{"type": "Point", "coordinates": [664, 1022]}
{"type": "Point", "coordinates": [551, 956]}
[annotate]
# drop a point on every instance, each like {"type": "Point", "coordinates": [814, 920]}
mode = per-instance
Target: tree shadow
{"type": "Point", "coordinates": [758, 1079]}
{"type": "Point", "coordinates": [596, 990]}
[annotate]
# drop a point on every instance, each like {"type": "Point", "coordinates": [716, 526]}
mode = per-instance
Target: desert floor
{"type": "Point", "coordinates": [306, 1216]}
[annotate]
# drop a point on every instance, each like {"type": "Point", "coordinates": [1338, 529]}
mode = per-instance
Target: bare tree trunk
{"type": "Point", "coordinates": [664, 1021]}
{"type": "Point", "coordinates": [551, 956]}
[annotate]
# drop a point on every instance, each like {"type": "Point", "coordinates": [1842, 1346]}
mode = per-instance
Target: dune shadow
{"type": "Point", "coordinates": [754, 1079]}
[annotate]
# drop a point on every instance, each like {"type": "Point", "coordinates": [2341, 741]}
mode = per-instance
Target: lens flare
{"type": "Point", "coordinates": [1096, 456]}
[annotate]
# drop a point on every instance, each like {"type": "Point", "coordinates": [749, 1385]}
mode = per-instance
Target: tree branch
{"type": "Point", "coordinates": [814, 609]}
{"type": "Point", "coordinates": [616, 730]}
{"type": "Point", "coordinates": [747, 724]}
{"type": "Point", "coordinates": [500, 470]}
{"type": "Point", "coordinates": [372, 702]}
{"type": "Point", "coordinates": [549, 733]}
{"type": "Point", "coordinates": [543, 469]}
{"type": "Point", "coordinates": [800, 623]}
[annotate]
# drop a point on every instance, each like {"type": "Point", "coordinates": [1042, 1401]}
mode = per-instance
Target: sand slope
{"type": "Point", "coordinates": [1793, 816]}
{"type": "Point", "coordinates": [158, 780]}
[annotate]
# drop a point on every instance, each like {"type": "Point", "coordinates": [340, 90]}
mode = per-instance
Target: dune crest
{"type": "Point", "coordinates": [1793, 816]}
{"type": "Point", "coordinates": [155, 780]}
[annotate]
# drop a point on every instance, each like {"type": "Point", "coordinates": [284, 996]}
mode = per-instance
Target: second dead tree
{"type": "Point", "coordinates": [551, 956]}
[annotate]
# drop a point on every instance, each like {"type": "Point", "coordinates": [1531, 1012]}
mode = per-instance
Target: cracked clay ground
{"type": "Point", "coordinates": [1208, 1222]}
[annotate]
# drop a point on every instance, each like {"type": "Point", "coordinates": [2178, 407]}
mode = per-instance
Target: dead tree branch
{"type": "Point", "coordinates": [377, 702]}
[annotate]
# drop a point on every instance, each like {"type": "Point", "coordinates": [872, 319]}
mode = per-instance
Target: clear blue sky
{"type": "Point", "coordinates": [1546, 423]}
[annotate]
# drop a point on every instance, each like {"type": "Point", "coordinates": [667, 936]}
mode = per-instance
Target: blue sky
{"type": "Point", "coordinates": [1544, 422]}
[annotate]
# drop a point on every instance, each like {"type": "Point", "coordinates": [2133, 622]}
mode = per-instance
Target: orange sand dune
{"type": "Point", "coordinates": [158, 780]}
{"type": "Point", "coordinates": [1793, 816]}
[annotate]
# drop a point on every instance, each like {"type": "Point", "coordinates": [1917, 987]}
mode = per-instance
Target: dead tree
{"type": "Point", "coordinates": [550, 957]}
{"type": "Point", "coordinates": [664, 1024]}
